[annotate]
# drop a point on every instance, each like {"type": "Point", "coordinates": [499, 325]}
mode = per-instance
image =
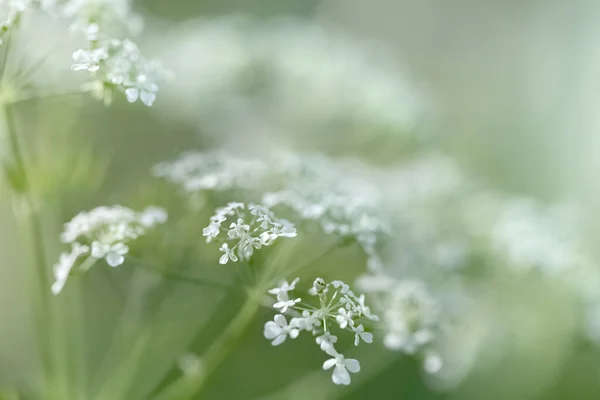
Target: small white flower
{"type": "Point", "coordinates": [284, 305]}
{"type": "Point", "coordinates": [278, 330]}
{"type": "Point", "coordinates": [343, 366]}
{"type": "Point", "coordinates": [238, 229]}
{"type": "Point", "coordinates": [89, 60]}
{"type": "Point", "coordinates": [326, 340]}
{"type": "Point", "coordinates": [282, 290]}
{"type": "Point", "coordinates": [211, 231]}
{"type": "Point", "coordinates": [228, 254]}
{"type": "Point", "coordinates": [360, 333]}
{"type": "Point", "coordinates": [433, 363]}
{"type": "Point", "coordinates": [116, 254]}
{"type": "Point", "coordinates": [344, 318]}
{"type": "Point", "coordinates": [152, 216]}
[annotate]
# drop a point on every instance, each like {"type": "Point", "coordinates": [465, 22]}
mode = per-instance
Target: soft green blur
{"type": "Point", "coordinates": [512, 94]}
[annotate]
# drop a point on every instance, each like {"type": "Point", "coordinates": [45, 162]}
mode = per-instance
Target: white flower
{"type": "Point", "coordinates": [284, 305]}
{"type": "Point", "coordinates": [152, 216]}
{"type": "Point", "coordinates": [89, 60]}
{"type": "Point", "coordinates": [104, 232]}
{"type": "Point", "coordinates": [320, 319]}
{"type": "Point", "coordinates": [144, 89]}
{"type": "Point", "coordinates": [246, 232]}
{"type": "Point", "coordinates": [326, 340]}
{"type": "Point", "coordinates": [433, 363]}
{"type": "Point", "coordinates": [114, 253]}
{"type": "Point", "coordinates": [228, 254]}
{"type": "Point", "coordinates": [343, 366]}
{"type": "Point", "coordinates": [282, 290]}
{"type": "Point", "coordinates": [344, 318]}
{"type": "Point", "coordinates": [360, 333]}
{"type": "Point", "coordinates": [212, 230]}
{"type": "Point", "coordinates": [278, 330]}
{"type": "Point", "coordinates": [65, 264]}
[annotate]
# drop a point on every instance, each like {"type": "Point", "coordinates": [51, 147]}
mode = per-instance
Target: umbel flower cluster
{"type": "Point", "coordinates": [313, 188]}
{"type": "Point", "coordinates": [115, 63]}
{"type": "Point", "coordinates": [102, 233]}
{"type": "Point", "coordinates": [250, 227]}
{"type": "Point", "coordinates": [337, 307]}
{"type": "Point", "coordinates": [410, 319]}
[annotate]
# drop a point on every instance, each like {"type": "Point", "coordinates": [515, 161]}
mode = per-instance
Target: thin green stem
{"type": "Point", "coordinates": [46, 95]}
{"type": "Point", "coordinates": [43, 309]}
{"type": "Point", "coordinates": [184, 278]}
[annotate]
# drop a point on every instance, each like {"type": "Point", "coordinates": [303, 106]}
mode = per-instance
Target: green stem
{"type": "Point", "coordinates": [31, 220]}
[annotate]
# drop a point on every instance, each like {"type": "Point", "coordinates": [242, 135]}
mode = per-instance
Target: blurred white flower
{"type": "Point", "coordinates": [103, 233]}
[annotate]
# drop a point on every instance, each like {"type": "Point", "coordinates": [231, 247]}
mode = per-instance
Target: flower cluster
{"type": "Point", "coordinates": [410, 316]}
{"type": "Point", "coordinates": [319, 189]}
{"type": "Point", "coordinates": [250, 227]}
{"type": "Point", "coordinates": [317, 79]}
{"type": "Point", "coordinates": [314, 188]}
{"type": "Point", "coordinates": [196, 171]}
{"type": "Point", "coordinates": [337, 306]}
{"type": "Point", "coordinates": [530, 236]}
{"type": "Point", "coordinates": [102, 233]}
{"type": "Point", "coordinates": [118, 66]}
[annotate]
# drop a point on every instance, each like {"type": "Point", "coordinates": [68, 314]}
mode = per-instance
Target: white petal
{"type": "Point", "coordinates": [352, 365]}
{"type": "Point", "coordinates": [120, 248]}
{"type": "Point", "coordinates": [81, 56]}
{"type": "Point", "coordinates": [294, 333]}
{"type": "Point", "coordinates": [132, 94]}
{"type": "Point", "coordinates": [280, 320]}
{"type": "Point", "coordinates": [340, 376]}
{"type": "Point", "coordinates": [433, 363]}
{"type": "Point", "coordinates": [224, 258]}
{"type": "Point", "coordinates": [114, 259]}
{"type": "Point", "coordinates": [367, 337]}
{"type": "Point", "coordinates": [272, 330]}
{"type": "Point", "coordinates": [329, 363]}
{"type": "Point", "coordinates": [278, 340]}
{"type": "Point", "coordinates": [148, 98]}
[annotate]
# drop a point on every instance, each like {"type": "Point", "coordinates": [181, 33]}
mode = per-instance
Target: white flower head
{"type": "Point", "coordinates": [103, 233]}
{"type": "Point", "coordinates": [319, 319]}
{"type": "Point", "coordinates": [245, 227]}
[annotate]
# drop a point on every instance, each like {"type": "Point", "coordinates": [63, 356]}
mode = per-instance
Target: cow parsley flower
{"type": "Point", "coordinates": [118, 66]}
{"type": "Point", "coordinates": [530, 236]}
{"type": "Point", "coordinates": [337, 306]}
{"type": "Point", "coordinates": [410, 316]}
{"type": "Point", "coordinates": [279, 330]}
{"type": "Point", "coordinates": [343, 367]}
{"type": "Point", "coordinates": [249, 227]}
{"type": "Point", "coordinates": [103, 233]}
{"type": "Point", "coordinates": [196, 171]}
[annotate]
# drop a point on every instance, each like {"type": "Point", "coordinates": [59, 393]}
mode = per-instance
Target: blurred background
{"type": "Point", "coordinates": [499, 96]}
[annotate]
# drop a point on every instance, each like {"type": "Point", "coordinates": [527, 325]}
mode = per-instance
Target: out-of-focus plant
{"type": "Point", "coordinates": [433, 252]}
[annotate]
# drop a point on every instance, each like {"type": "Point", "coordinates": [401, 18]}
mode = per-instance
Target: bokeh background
{"type": "Point", "coordinates": [506, 89]}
